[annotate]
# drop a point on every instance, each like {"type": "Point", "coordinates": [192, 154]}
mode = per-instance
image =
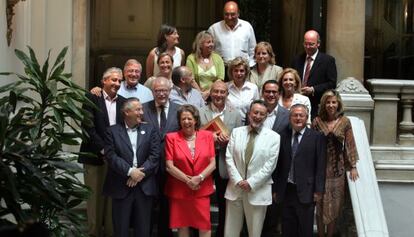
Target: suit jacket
{"type": "Point", "coordinates": [259, 169]}
{"type": "Point", "coordinates": [96, 131]}
{"type": "Point", "coordinates": [310, 162]}
{"type": "Point", "coordinates": [282, 119]}
{"type": "Point", "coordinates": [232, 119]}
{"type": "Point", "coordinates": [151, 116]}
{"type": "Point", "coordinates": [176, 149]}
{"type": "Point", "coordinates": [322, 76]}
{"type": "Point", "coordinates": [119, 156]}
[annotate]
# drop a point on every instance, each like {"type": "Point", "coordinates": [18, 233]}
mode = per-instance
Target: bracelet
{"type": "Point", "coordinates": [201, 177]}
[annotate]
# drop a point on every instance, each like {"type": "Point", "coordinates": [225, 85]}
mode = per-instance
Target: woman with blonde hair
{"type": "Point", "coordinates": [265, 68]}
{"type": "Point", "coordinates": [341, 157]}
{"type": "Point", "coordinates": [289, 86]}
{"type": "Point", "coordinates": [206, 65]}
{"type": "Point", "coordinates": [241, 91]}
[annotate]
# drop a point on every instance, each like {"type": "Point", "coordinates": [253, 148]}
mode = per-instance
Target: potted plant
{"type": "Point", "coordinates": [40, 115]}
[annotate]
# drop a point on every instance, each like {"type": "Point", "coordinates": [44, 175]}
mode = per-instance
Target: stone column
{"type": "Point", "coordinates": [345, 36]}
{"type": "Point", "coordinates": [406, 126]}
{"type": "Point", "coordinates": [384, 119]}
{"type": "Point", "coordinates": [80, 42]}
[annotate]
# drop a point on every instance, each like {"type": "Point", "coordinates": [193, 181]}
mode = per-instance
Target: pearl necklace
{"type": "Point", "coordinates": [206, 60]}
{"type": "Point", "coordinates": [191, 138]}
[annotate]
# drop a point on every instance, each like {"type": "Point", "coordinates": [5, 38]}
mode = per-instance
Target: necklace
{"type": "Point", "coordinates": [191, 138]}
{"type": "Point", "coordinates": [206, 60]}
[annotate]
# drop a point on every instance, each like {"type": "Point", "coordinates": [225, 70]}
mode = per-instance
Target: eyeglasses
{"type": "Point", "coordinates": [132, 70]}
{"type": "Point", "coordinates": [271, 92]}
{"type": "Point", "coordinates": [309, 44]}
{"type": "Point", "coordinates": [161, 91]}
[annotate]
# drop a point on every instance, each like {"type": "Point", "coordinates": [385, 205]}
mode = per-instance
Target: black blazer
{"type": "Point", "coordinates": [310, 162]}
{"type": "Point", "coordinates": [151, 116]}
{"type": "Point", "coordinates": [119, 156]}
{"type": "Point", "coordinates": [322, 76]}
{"type": "Point", "coordinates": [96, 130]}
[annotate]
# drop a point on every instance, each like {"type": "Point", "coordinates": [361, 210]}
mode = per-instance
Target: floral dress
{"type": "Point", "coordinates": [341, 156]}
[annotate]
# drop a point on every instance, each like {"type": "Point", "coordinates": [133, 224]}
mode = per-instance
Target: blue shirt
{"type": "Point", "coordinates": [139, 91]}
{"type": "Point", "coordinates": [193, 97]}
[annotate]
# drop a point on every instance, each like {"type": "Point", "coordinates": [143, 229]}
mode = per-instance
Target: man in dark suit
{"type": "Point", "coordinates": [132, 152]}
{"type": "Point", "coordinates": [277, 120]}
{"type": "Point", "coordinates": [161, 113]}
{"type": "Point", "coordinates": [317, 70]}
{"type": "Point", "coordinates": [300, 174]}
{"type": "Point", "coordinates": [107, 113]}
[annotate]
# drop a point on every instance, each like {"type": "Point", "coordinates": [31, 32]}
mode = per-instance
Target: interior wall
{"type": "Point", "coordinates": [36, 24]}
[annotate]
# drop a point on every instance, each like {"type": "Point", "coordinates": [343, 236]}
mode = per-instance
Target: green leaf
{"type": "Point", "coordinates": [60, 57]}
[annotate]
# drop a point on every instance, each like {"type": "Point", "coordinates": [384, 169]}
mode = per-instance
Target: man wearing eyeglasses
{"type": "Point", "coordinates": [161, 113]}
{"type": "Point", "coordinates": [130, 87]}
{"type": "Point", "coordinates": [234, 37]}
{"type": "Point", "coordinates": [317, 70]}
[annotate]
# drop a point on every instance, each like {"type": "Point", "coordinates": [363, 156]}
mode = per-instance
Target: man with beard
{"type": "Point", "coordinates": [251, 157]}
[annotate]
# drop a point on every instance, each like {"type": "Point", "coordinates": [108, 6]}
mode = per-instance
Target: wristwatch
{"type": "Point", "coordinates": [201, 177]}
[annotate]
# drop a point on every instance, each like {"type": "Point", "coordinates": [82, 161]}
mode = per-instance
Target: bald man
{"type": "Point", "coordinates": [317, 70]}
{"type": "Point", "coordinates": [234, 36]}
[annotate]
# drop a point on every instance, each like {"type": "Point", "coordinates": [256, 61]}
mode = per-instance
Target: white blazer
{"type": "Point", "coordinates": [260, 168]}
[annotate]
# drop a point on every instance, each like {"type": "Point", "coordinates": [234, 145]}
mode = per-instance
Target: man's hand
{"type": "Point", "coordinates": [222, 139]}
{"type": "Point", "coordinates": [137, 174]}
{"type": "Point", "coordinates": [131, 183]}
{"type": "Point", "coordinates": [307, 90]}
{"type": "Point", "coordinates": [244, 185]}
{"type": "Point", "coordinates": [274, 197]}
{"type": "Point", "coordinates": [96, 91]}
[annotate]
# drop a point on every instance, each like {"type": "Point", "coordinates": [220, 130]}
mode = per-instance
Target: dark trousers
{"type": "Point", "coordinates": [134, 209]}
{"type": "Point", "coordinates": [297, 217]}
{"type": "Point", "coordinates": [221, 185]}
{"type": "Point", "coordinates": [163, 209]}
{"type": "Point", "coordinates": [272, 220]}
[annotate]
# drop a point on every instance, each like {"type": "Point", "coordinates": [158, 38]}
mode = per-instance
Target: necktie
{"type": "Point", "coordinates": [295, 145]}
{"type": "Point", "coordinates": [307, 70]}
{"type": "Point", "coordinates": [249, 148]}
{"type": "Point", "coordinates": [163, 118]}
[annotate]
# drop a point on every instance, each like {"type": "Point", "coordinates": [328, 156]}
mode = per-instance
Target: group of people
{"type": "Point", "coordinates": [285, 145]}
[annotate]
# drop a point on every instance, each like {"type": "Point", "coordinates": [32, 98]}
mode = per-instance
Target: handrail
{"type": "Point", "coordinates": [365, 196]}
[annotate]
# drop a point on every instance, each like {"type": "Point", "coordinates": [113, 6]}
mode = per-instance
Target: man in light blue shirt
{"type": "Point", "coordinates": [182, 91]}
{"type": "Point", "coordinates": [130, 86]}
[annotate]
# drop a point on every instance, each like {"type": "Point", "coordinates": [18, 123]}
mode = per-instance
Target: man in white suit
{"type": "Point", "coordinates": [251, 157]}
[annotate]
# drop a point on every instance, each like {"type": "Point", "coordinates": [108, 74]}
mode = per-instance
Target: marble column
{"type": "Point", "coordinates": [80, 42]}
{"type": "Point", "coordinates": [345, 36]}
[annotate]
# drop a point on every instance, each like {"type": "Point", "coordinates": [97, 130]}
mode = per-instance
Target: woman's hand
{"type": "Point", "coordinates": [96, 91]}
{"type": "Point", "coordinates": [353, 175]}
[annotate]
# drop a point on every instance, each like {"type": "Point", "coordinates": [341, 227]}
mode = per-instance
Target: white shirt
{"type": "Point", "coordinates": [311, 63]}
{"type": "Point", "coordinates": [110, 107]}
{"type": "Point", "coordinates": [231, 43]}
{"type": "Point", "coordinates": [270, 119]}
{"type": "Point", "coordinates": [299, 99]}
{"type": "Point", "coordinates": [240, 99]}
{"type": "Point", "coordinates": [133, 135]}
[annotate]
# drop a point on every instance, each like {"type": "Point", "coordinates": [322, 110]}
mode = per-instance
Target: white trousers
{"type": "Point", "coordinates": [235, 213]}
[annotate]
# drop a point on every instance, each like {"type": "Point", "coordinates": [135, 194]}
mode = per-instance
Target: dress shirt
{"type": "Point", "coordinates": [216, 112]}
{"type": "Point", "coordinates": [240, 99]}
{"type": "Point", "coordinates": [132, 134]}
{"type": "Point", "coordinates": [271, 118]}
{"type": "Point", "coordinates": [299, 137]}
{"type": "Point", "coordinates": [231, 43]}
{"type": "Point", "coordinates": [311, 63]}
{"type": "Point", "coordinates": [193, 97]}
{"type": "Point", "coordinates": [138, 91]}
{"type": "Point", "coordinates": [166, 106]}
{"type": "Point", "coordinates": [110, 107]}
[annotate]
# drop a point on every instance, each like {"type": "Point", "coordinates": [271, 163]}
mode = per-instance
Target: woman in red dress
{"type": "Point", "coordinates": [190, 161]}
